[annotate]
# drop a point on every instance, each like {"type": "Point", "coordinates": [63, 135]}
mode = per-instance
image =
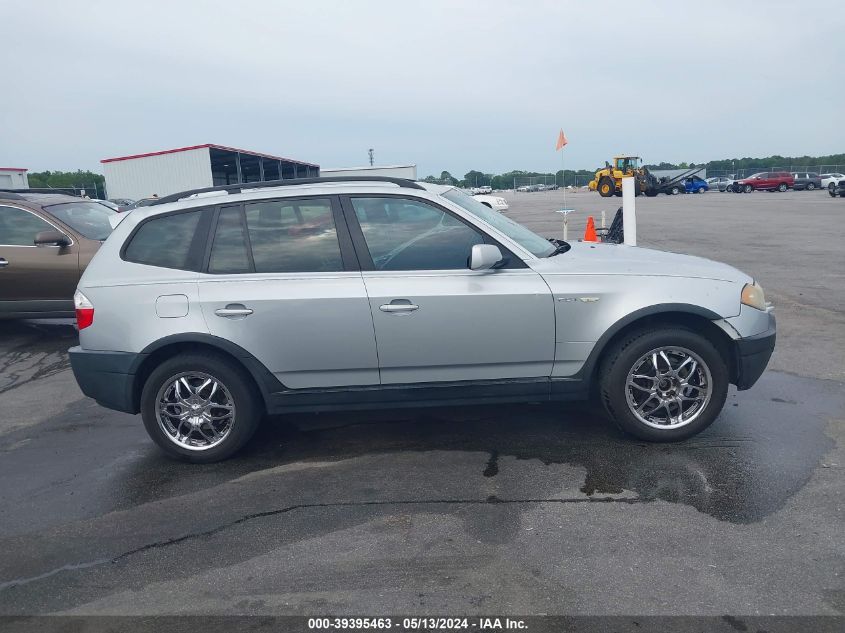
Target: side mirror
{"type": "Point", "coordinates": [484, 256]}
{"type": "Point", "coordinates": [51, 238]}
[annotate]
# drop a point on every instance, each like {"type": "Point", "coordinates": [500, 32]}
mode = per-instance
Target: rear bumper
{"type": "Point", "coordinates": [107, 377]}
{"type": "Point", "coordinates": [753, 354]}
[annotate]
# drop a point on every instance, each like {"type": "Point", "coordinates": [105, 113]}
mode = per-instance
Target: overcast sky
{"type": "Point", "coordinates": [445, 85]}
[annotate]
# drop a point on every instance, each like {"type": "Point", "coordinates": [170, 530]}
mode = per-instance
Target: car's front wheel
{"type": "Point", "coordinates": [811, 186]}
{"type": "Point", "coordinates": [663, 385]}
{"type": "Point", "coordinates": [200, 408]}
{"type": "Point", "coordinates": [782, 187]}
{"type": "Point", "coordinates": [748, 188]}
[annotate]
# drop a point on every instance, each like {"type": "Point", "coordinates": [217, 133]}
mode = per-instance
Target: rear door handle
{"type": "Point", "coordinates": [399, 305]}
{"type": "Point", "coordinates": [3, 262]}
{"type": "Point", "coordinates": [233, 310]}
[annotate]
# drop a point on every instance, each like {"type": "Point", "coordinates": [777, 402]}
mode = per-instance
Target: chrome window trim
{"type": "Point", "coordinates": [60, 230]}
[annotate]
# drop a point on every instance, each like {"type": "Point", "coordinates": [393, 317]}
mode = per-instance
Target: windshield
{"type": "Point", "coordinates": [528, 240]}
{"type": "Point", "coordinates": [89, 219]}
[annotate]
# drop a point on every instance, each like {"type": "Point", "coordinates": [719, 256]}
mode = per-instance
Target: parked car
{"type": "Point", "coordinates": [108, 203]}
{"type": "Point", "coordinates": [480, 190]}
{"type": "Point", "coordinates": [806, 180]}
{"type": "Point", "coordinates": [123, 204]}
{"type": "Point", "coordinates": [46, 241]}
{"type": "Point", "coordinates": [765, 181]}
{"type": "Point", "coordinates": [831, 179]}
{"type": "Point", "coordinates": [203, 312]}
{"type": "Point", "coordinates": [721, 183]}
{"type": "Point", "coordinates": [837, 189]}
{"type": "Point", "coordinates": [494, 202]}
{"type": "Point", "coordinates": [694, 184]}
{"type": "Point", "coordinates": [143, 202]}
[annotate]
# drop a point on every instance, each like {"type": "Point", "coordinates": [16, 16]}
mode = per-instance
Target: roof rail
{"type": "Point", "coordinates": [64, 191]}
{"type": "Point", "coordinates": [401, 182]}
{"type": "Point", "coordinates": [10, 194]}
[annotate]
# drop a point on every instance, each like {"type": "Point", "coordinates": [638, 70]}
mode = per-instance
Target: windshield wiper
{"type": "Point", "coordinates": [560, 247]}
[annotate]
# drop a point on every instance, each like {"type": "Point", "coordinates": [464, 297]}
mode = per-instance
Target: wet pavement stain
{"type": "Point", "coordinates": [492, 468]}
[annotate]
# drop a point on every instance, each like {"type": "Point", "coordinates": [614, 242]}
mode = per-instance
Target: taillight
{"type": "Point", "coordinates": [84, 310]}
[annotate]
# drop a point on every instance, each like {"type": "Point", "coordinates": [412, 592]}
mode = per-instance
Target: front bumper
{"type": "Point", "coordinates": [108, 377]}
{"type": "Point", "coordinates": [753, 354]}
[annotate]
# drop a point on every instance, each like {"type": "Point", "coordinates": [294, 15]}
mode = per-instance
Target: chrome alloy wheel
{"type": "Point", "coordinates": [668, 387]}
{"type": "Point", "coordinates": [195, 411]}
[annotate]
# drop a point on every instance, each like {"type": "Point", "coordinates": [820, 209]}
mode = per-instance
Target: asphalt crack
{"type": "Point", "coordinates": [17, 582]}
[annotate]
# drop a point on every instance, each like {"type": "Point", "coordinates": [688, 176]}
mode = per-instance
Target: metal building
{"type": "Point", "coordinates": [395, 171]}
{"type": "Point", "coordinates": [173, 170]}
{"type": "Point", "coordinates": [13, 178]}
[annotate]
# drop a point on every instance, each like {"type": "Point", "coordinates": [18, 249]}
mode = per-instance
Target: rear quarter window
{"type": "Point", "coordinates": [169, 241]}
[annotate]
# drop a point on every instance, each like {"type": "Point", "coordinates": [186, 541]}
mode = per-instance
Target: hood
{"type": "Point", "coordinates": [587, 258]}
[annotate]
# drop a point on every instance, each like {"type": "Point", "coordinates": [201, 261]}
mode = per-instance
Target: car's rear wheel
{"type": "Point", "coordinates": [811, 186]}
{"type": "Point", "coordinates": [782, 187]}
{"type": "Point", "coordinates": [663, 385]}
{"type": "Point", "coordinates": [200, 408]}
{"type": "Point", "coordinates": [675, 191]}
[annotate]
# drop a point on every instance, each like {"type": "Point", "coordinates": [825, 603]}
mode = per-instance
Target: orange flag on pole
{"type": "Point", "coordinates": [561, 141]}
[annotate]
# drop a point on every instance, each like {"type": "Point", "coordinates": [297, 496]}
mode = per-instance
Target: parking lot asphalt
{"type": "Point", "coordinates": [534, 509]}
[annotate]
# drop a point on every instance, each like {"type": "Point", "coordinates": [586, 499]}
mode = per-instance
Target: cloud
{"type": "Point", "coordinates": [445, 85]}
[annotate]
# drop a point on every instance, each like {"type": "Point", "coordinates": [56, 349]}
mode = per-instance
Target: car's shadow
{"type": "Point", "coordinates": [742, 468]}
{"type": "Point", "coordinates": [761, 450]}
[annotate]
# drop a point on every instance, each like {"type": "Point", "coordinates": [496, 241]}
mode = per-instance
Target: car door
{"type": "Point", "coordinates": [435, 319]}
{"type": "Point", "coordinates": [36, 278]}
{"type": "Point", "coordinates": [282, 282]}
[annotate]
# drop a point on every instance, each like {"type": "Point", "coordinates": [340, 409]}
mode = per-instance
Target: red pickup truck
{"type": "Point", "coordinates": [766, 180]}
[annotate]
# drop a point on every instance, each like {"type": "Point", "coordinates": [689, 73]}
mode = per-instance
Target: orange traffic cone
{"type": "Point", "coordinates": [590, 233]}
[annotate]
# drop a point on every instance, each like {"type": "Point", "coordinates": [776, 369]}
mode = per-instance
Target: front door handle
{"type": "Point", "coordinates": [399, 306]}
{"type": "Point", "coordinates": [233, 310]}
{"type": "Point", "coordinates": [3, 262]}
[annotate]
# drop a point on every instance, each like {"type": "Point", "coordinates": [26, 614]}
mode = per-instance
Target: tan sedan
{"type": "Point", "coordinates": [46, 241]}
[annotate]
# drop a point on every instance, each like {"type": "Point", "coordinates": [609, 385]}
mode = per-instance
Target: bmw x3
{"type": "Point", "coordinates": [209, 309]}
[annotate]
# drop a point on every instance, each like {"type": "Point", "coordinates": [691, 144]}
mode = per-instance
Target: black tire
{"type": "Point", "coordinates": [782, 187]}
{"type": "Point", "coordinates": [606, 187]}
{"type": "Point", "coordinates": [748, 189]}
{"type": "Point", "coordinates": [729, 188]}
{"type": "Point", "coordinates": [244, 394]}
{"type": "Point", "coordinates": [675, 191]}
{"type": "Point", "coordinates": [625, 353]}
{"type": "Point", "coordinates": [810, 186]}
{"type": "Point", "coordinates": [831, 189]}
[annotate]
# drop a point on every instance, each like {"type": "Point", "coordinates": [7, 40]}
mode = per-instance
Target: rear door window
{"type": "Point", "coordinates": [229, 250]}
{"type": "Point", "coordinates": [293, 235]}
{"type": "Point", "coordinates": [168, 241]}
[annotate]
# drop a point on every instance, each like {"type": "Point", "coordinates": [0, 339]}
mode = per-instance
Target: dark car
{"type": "Point", "coordinates": [123, 204]}
{"type": "Point", "coordinates": [46, 241]}
{"type": "Point", "coordinates": [766, 181]}
{"type": "Point", "coordinates": [807, 180]}
{"type": "Point", "coordinates": [837, 189]}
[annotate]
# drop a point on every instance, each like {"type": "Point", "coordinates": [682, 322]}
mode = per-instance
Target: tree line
{"type": "Point", "coordinates": [78, 179]}
{"type": "Point", "coordinates": [475, 178]}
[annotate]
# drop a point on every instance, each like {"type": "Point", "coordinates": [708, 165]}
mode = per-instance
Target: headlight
{"type": "Point", "coordinates": [752, 295]}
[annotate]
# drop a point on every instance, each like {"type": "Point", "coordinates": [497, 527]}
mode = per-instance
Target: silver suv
{"type": "Point", "coordinates": [208, 309]}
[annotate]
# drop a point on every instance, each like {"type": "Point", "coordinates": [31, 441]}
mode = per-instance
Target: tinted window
{"type": "Point", "coordinates": [19, 227]}
{"type": "Point", "coordinates": [289, 236]}
{"type": "Point", "coordinates": [90, 219]}
{"type": "Point", "coordinates": [164, 241]}
{"type": "Point", "coordinates": [228, 254]}
{"type": "Point", "coordinates": [412, 235]}
{"type": "Point", "coordinates": [812, 174]}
